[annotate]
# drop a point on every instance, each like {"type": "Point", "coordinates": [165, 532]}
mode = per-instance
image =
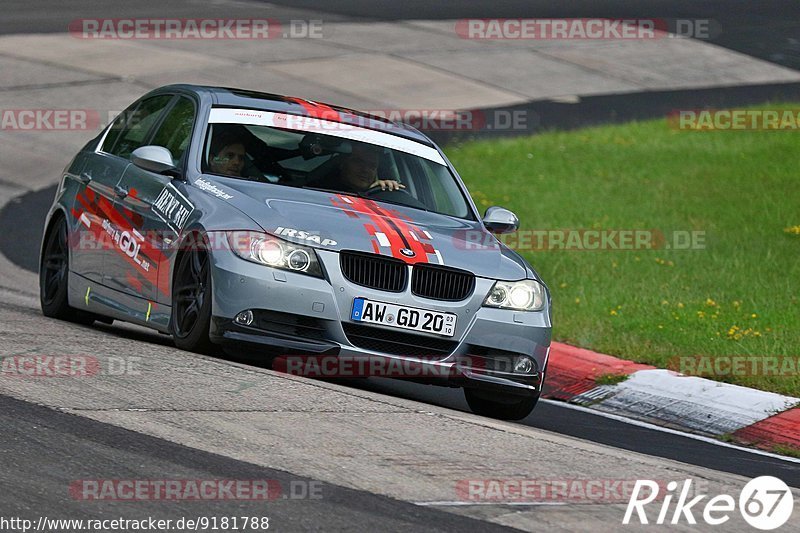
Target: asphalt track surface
{"type": "Point", "coordinates": [52, 450]}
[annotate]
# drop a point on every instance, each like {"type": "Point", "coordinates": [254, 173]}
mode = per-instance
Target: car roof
{"type": "Point", "coordinates": [232, 97]}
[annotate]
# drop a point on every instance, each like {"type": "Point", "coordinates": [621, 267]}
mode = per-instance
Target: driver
{"type": "Point", "coordinates": [358, 172]}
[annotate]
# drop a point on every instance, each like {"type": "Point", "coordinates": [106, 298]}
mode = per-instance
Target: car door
{"type": "Point", "coordinates": [157, 209]}
{"type": "Point", "coordinates": [133, 129]}
{"type": "Point", "coordinates": [94, 201]}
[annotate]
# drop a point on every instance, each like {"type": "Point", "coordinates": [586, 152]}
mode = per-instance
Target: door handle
{"type": "Point", "coordinates": [120, 191]}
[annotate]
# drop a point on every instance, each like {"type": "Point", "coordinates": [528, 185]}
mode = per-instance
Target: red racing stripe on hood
{"type": "Point", "coordinates": [394, 230]}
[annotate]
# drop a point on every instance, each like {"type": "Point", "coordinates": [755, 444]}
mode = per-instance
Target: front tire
{"type": "Point", "coordinates": [503, 407]}
{"type": "Point", "coordinates": [54, 277]}
{"type": "Point", "coordinates": [191, 302]}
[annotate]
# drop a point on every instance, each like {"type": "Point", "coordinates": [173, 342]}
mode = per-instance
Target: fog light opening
{"type": "Point", "coordinates": [523, 365]}
{"type": "Point", "coordinates": [244, 318]}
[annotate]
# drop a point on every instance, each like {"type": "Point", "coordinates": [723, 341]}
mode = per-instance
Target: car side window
{"type": "Point", "coordinates": [175, 131]}
{"type": "Point", "coordinates": [134, 126]}
{"type": "Point", "coordinates": [116, 128]}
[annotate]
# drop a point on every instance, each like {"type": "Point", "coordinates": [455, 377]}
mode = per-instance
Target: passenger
{"type": "Point", "coordinates": [227, 155]}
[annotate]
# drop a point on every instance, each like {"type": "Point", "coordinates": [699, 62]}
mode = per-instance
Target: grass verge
{"type": "Point", "coordinates": [733, 295]}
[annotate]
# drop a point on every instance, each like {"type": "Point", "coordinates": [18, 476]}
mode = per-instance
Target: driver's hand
{"type": "Point", "coordinates": [390, 185]}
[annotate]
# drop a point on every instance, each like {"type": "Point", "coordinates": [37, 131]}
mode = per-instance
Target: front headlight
{"type": "Point", "coordinates": [267, 250]}
{"type": "Point", "coordinates": [525, 295]}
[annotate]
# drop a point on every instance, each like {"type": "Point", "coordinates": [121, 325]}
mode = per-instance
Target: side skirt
{"type": "Point", "coordinates": [91, 296]}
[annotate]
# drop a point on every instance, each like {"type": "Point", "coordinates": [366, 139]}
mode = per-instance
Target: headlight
{"type": "Point", "coordinates": [268, 250]}
{"type": "Point", "coordinates": [525, 295]}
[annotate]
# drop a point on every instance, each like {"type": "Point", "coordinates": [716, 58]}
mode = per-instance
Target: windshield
{"type": "Point", "coordinates": [310, 153]}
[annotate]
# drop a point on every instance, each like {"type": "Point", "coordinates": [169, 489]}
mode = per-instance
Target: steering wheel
{"type": "Point", "coordinates": [378, 193]}
{"type": "Point", "coordinates": [372, 191]}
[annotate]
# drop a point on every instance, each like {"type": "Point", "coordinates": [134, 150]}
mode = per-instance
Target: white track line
{"type": "Point", "coordinates": [458, 503]}
{"type": "Point", "coordinates": [671, 431]}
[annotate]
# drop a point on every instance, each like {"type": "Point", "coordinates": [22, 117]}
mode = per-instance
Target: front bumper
{"type": "Point", "coordinates": [303, 316]}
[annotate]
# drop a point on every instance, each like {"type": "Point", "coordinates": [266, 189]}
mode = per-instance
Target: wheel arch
{"type": "Point", "coordinates": [187, 242]}
{"type": "Point", "coordinates": [195, 340]}
{"type": "Point", "coordinates": [53, 217]}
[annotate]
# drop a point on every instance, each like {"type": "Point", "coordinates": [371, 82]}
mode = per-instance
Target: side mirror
{"type": "Point", "coordinates": [500, 220]}
{"type": "Point", "coordinates": [153, 158]}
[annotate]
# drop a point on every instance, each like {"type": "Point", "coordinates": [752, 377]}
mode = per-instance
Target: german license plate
{"type": "Point", "coordinates": [400, 316]}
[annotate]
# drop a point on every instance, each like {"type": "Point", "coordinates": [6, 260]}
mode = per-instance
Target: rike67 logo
{"type": "Point", "coordinates": [766, 503]}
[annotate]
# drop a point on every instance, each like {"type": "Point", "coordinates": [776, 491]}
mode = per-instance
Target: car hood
{"type": "Point", "coordinates": [333, 221]}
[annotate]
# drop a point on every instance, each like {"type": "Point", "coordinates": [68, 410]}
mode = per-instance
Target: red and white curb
{"type": "Point", "coordinates": [669, 399]}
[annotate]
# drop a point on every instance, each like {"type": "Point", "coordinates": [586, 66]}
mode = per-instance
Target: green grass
{"type": "Point", "coordinates": [741, 188]}
{"type": "Point", "coordinates": [726, 437]}
{"type": "Point", "coordinates": [610, 379]}
{"type": "Point", "coordinates": [791, 451]}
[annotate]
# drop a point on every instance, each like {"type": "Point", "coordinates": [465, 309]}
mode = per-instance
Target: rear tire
{"type": "Point", "coordinates": [54, 277]}
{"type": "Point", "coordinates": [502, 407]}
{"type": "Point", "coordinates": [191, 302]}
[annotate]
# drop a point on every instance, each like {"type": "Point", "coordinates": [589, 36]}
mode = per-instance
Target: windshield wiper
{"type": "Point", "coordinates": [323, 189]}
{"type": "Point", "coordinates": [368, 197]}
{"type": "Point", "coordinates": [412, 206]}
